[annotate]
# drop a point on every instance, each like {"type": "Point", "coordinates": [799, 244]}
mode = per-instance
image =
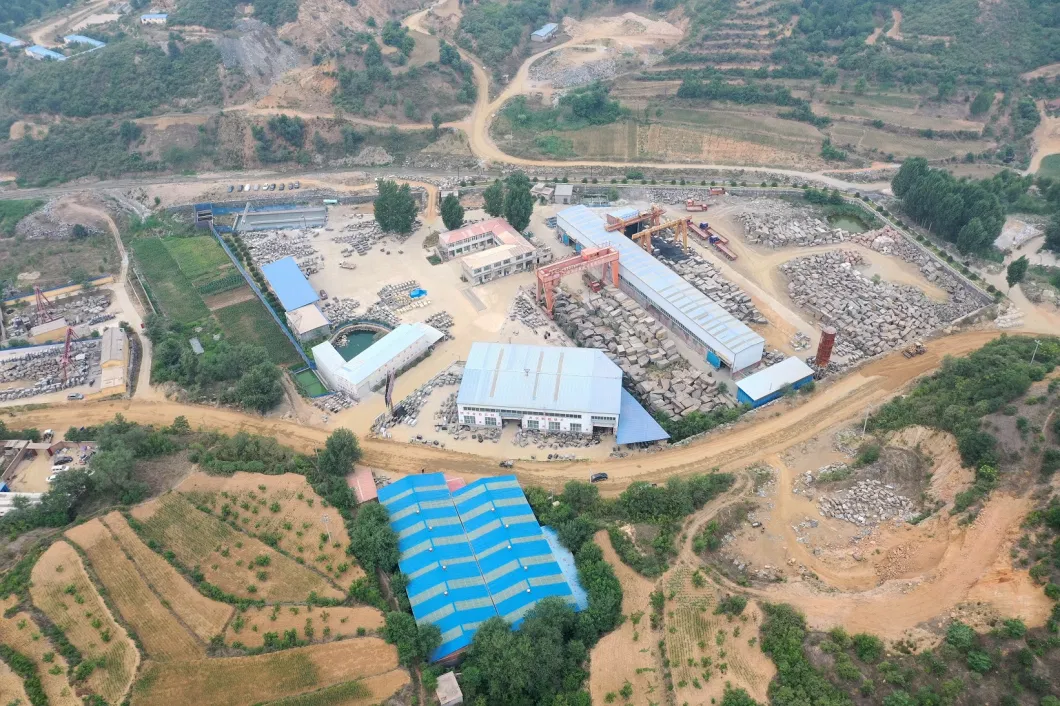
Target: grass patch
{"type": "Point", "coordinates": [11, 212]}
{"type": "Point", "coordinates": [310, 384]}
{"type": "Point", "coordinates": [199, 258]}
{"type": "Point", "coordinates": [1050, 167]}
{"type": "Point", "coordinates": [167, 284]}
{"type": "Point", "coordinates": [248, 322]}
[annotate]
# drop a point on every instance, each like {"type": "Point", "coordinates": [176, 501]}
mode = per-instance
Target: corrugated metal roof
{"type": "Point", "coordinates": [290, 285]}
{"type": "Point", "coordinates": [45, 52]}
{"type": "Point", "coordinates": [774, 377]}
{"type": "Point", "coordinates": [10, 41]}
{"type": "Point", "coordinates": [546, 30]}
{"type": "Point", "coordinates": [327, 358]}
{"type": "Point", "coordinates": [635, 425]}
{"type": "Point", "coordinates": [564, 189]}
{"type": "Point", "coordinates": [379, 354]}
{"type": "Point", "coordinates": [113, 348]}
{"type": "Point", "coordinates": [470, 554]}
{"type": "Point", "coordinates": [702, 316]}
{"type": "Point", "coordinates": [154, 16]}
{"type": "Point", "coordinates": [82, 39]}
{"type": "Point", "coordinates": [546, 378]}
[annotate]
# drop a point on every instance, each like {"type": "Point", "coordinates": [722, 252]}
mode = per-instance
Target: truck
{"type": "Point", "coordinates": [914, 350]}
{"type": "Point", "coordinates": [717, 191]}
{"type": "Point", "coordinates": [695, 205]}
{"type": "Point", "coordinates": [331, 202]}
{"type": "Point", "coordinates": [593, 283]}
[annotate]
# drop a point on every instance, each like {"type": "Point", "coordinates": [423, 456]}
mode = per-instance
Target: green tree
{"type": "Point", "coordinates": [961, 636]}
{"type": "Point", "coordinates": [493, 198]}
{"type": "Point", "coordinates": [112, 471]}
{"type": "Point", "coordinates": [340, 452]}
{"type": "Point", "coordinates": [1017, 270]}
{"type": "Point", "coordinates": [973, 237]}
{"type": "Point", "coordinates": [395, 208]}
{"type": "Point", "coordinates": [372, 539]}
{"type": "Point", "coordinates": [518, 202]}
{"type": "Point", "coordinates": [1052, 233]}
{"type": "Point", "coordinates": [259, 388]}
{"type": "Point", "coordinates": [452, 212]}
{"type": "Point", "coordinates": [737, 697]}
{"type": "Point", "coordinates": [414, 642]}
{"type": "Point", "coordinates": [436, 123]}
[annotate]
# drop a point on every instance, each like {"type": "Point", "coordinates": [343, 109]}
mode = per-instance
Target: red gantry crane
{"type": "Point", "coordinates": [550, 275]}
{"type": "Point", "coordinates": [64, 362]}
{"type": "Point", "coordinates": [44, 307]}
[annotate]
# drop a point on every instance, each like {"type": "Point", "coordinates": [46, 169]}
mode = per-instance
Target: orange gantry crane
{"type": "Point", "coordinates": [679, 225]}
{"type": "Point", "coordinates": [652, 215]}
{"type": "Point", "coordinates": [550, 275]}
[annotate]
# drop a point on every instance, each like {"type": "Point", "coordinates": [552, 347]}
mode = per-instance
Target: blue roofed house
{"type": "Point", "coordinates": [41, 53]}
{"type": "Point", "coordinates": [154, 18]}
{"type": "Point", "coordinates": [545, 33]}
{"type": "Point", "coordinates": [289, 284]}
{"type": "Point", "coordinates": [770, 383]}
{"type": "Point", "coordinates": [10, 41]}
{"type": "Point", "coordinates": [470, 555]}
{"type": "Point", "coordinates": [81, 39]}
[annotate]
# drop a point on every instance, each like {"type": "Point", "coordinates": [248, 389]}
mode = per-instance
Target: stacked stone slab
{"type": "Point", "coordinates": [524, 309]}
{"type": "Point", "coordinates": [43, 367]}
{"type": "Point", "coordinates": [871, 317]}
{"type": "Point", "coordinates": [867, 502]}
{"type": "Point", "coordinates": [270, 245]}
{"type": "Point", "coordinates": [778, 224]}
{"type": "Point", "coordinates": [613, 322]}
{"type": "Point", "coordinates": [704, 276]}
{"type": "Point", "coordinates": [338, 309]}
{"type": "Point", "coordinates": [82, 310]}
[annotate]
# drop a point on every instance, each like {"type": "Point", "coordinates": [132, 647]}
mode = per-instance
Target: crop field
{"type": "Point", "coordinates": [249, 322]}
{"type": "Point", "coordinates": [203, 616]}
{"type": "Point", "coordinates": [167, 284]}
{"type": "Point", "coordinates": [902, 146]}
{"type": "Point", "coordinates": [241, 681]}
{"type": "Point", "coordinates": [162, 636]}
{"type": "Point", "coordinates": [231, 560]}
{"type": "Point", "coordinates": [200, 258]}
{"type": "Point", "coordinates": [21, 633]}
{"type": "Point", "coordinates": [283, 511]}
{"type": "Point", "coordinates": [314, 624]}
{"type": "Point", "coordinates": [62, 590]}
{"type": "Point", "coordinates": [11, 686]}
{"type": "Point", "coordinates": [707, 650]}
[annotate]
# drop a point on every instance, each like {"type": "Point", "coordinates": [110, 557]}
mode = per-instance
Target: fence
{"type": "Point", "coordinates": [261, 297]}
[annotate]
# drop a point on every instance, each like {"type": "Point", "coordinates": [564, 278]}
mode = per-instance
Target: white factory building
{"type": "Point", "coordinates": [698, 320]}
{"type": "Point", "coordinates": [490, 249]}
{"type": "Point", "coordinates": [550, 389]}
{"type": "Point", "coordinates": [368, 371]}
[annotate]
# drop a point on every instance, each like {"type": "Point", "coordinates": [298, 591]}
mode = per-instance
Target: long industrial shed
{"type": "Point", "coordinates": [700, 321]}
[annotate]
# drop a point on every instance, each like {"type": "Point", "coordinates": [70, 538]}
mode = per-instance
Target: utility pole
{"type": "Point", "coordinates": [325, 519]}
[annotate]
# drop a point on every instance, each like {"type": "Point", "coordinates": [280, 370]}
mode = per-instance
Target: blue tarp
{"type": "Point", "coordinates": [635, 425]}
{"type": "Point", "coordinates": [290, 285]}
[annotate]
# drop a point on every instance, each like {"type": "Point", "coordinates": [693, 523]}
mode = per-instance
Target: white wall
{"type": "Point", "coordinates": [543, 420]}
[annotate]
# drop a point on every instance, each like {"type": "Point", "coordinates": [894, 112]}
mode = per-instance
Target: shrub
{"type": "Point", "coordinates": [961, 636]}
{"type": "Point", "coordinates": [868, 648]}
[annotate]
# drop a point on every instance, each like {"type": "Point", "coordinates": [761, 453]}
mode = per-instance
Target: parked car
{"type": "Point", "coordinates": [597, 477]}
{"type": "Point", "coordinates": [63, 459]}
{"type": "Point", "coordinates": [282, 185]}
{"type": "Point", "coordinates": [52, 477]}
{"type": "Point", "coordinates": [75, 396]}
{"type": "Point", "coordinates": [231, 188]}
{"type": "Point", "coordinates": [298, 185]}
{"type": "Point", "coordinates": [246, 188]}
{"type": "Point", "coordinates": [323, 295]}
{"type": "Point", "coordinates": [60, 469]}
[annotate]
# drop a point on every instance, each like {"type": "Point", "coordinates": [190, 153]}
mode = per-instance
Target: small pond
{"type": "Point", "coordinates": [848, 223]}
{"type": "Point", "coordinates": [357, 342]}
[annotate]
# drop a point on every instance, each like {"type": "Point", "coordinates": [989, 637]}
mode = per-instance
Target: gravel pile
{"type": "Point", "coordinates": [867, 176]}
{"type": "Point", "coordinates": [614, 323]}
{"type": "Point", "coordinates": [867, 502]}
{"type": "Point", "coordinates": [561, 74]}
{"type": "Point", "coordinates": [46, 224]}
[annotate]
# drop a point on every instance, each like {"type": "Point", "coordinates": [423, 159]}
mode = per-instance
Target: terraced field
{"type": "Point", "coordinates": [21, 633]}
{"type": "Point", "coordinates": [313, 624]}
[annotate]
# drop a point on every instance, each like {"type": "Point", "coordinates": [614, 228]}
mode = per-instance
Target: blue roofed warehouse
{"type": "Point", "coordinates": [769, 384]}
{"type": "Point", "coordinates": [289, 284]}
{"type": "Point", "coordinates": [470, 555]}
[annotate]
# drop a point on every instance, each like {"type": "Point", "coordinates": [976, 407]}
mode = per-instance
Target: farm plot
{"type": "Point", "coordinates": [314, 624]}
{"type": "Point", "coordinates": [707, 650]}
{"type": "Point", "coordinates": [248, 322]}
{"type": "Point", "coordinates": [167, 284]}
{"type": "Point", "coordinates": [902, 146]}
{"type": "Point", "coordinates": [234, 562]}
{"type": "Point", "coordinates": [241, 681]}
{"type": "Point", "coordinates": [21, 633]}
{"type": "Point", "coordinates": [201, 259]}
{"type": "Point", "coordinates": [203, 616]}
{"type": "Point", "coordinates": [282, 511]}
{"type": "Point", "coordinates": [161, 634]}
{"type": "Point", "coordinates": [61, 588]}
{"type": "Point", "coordinates": [351, 693]}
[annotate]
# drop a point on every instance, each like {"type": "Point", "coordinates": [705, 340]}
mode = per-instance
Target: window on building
{"type": "Point", "coordinates": [469, 419]}
{"type": "Point", "coordinates": [575, 426]}
{"type": "Point", "coordinates": [533, 424]}
{"type": "Point", "coordinates": [553, 426]}
{"type": "Point", "coordinates": [491, 421]}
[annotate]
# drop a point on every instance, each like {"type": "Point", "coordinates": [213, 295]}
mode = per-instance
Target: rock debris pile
{"type": "Point", "coordinates": [524, 309]}
{"type": "Point", "coordinates": [49, 223]}
{"type": "Point", "coordinates": [871, 316]}
{"type": "Point", "coordinates": [867, 502]}
{"type": "Point", "coordinates": [360, 237]}
{"type": "Point", "coordinates": [443, 321]}
{"type": "Point", "coordinates": [43, 367]}
{"type": "Point", "coordinates": [335, 402]}
{"type": "Point", "coordinates": [338, 309]}
{"type": "Point", "coordinates": [614, 323]}
{"type": "Point", "coordinates": [777, 224]}
{"type": "Point", "coordinates": [271, 245]}
{"type": "Point", "coordinates": [381, 312]}
{"type": "Point", "coordinates": [557, 70]}
{"type": "Point", "coordinates": [89, 310]}
{"type": "Point", "coordinates": [705, 277]}
{"type": "Point", "coordinates": [554, 440]}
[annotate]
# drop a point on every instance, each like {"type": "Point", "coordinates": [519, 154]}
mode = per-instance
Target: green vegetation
{"type": "Point", "coordinates": [510, 198]}
{"type": "Point", "coordinates": [166, 284]}
{"type": "Point", "coordinates": [200, 258]}
{"type": "Point", "coordinates": [1050, 167]}
{"type": "Point", "coordinates": [492, 30]}
{"type": "Point", "coordinates": [340, 693]}
{"type": "Point", "coordinates": [698, 422]}
{"type": "Point", "coordinates": [249, 322]}
{"type": "Point", "coordinates": [26, 670]}
{"type": "Point", "coordinates": [126, 77]}
{"type": "Point", "coordinates": [215, 14]}
{"type": "Point", "coordinates": [240, 373]}
{"type": "Point", "coordinates": [965, 390]}
{"type": "Point", "coordinates": [797, 681]}
{"type": "Point", "coordinates": [452, 212]}
{"type": "Point", "coordinates": [581, 107]}
{"type": "Point", "coordinates": [1017, 270]}
{"type": "Point", "coordinates": [15, 13]}
{"type": "Point", "coordinates": [414, 642]}
{"type": "Point", "coordinates": [97, 148]}
{"type": "Point", "coordinates": [276, 12]}
{"type": "Point", "coordinates": [395, 207]}
{"type": "Point", "coordinates": [11, 212]}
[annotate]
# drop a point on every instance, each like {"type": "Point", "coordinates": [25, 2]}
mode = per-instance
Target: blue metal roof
{"type": "Point", "coordinates": [768, 380]}
{"type": "Point", "coordinates": [81, 39]}
{"type": "Point", "coordinates": [546, 378]}
{"type": "Point", "coordinates": [290, 285]}
{"type": "Point", "coordinates": [470, 555]}
{"type": "Point", "coordinates": [635, 425]}
{"type": "Point", "coordinates": [10, 41]}
{"type": "Point", "coordinates": [545, 30]}
{"type": "Point", "coordinates": [700, 315]}
{"type": "Point", "coordinates": [154, 16]}
{"type": "Point", "coordinates": [46, 53]}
